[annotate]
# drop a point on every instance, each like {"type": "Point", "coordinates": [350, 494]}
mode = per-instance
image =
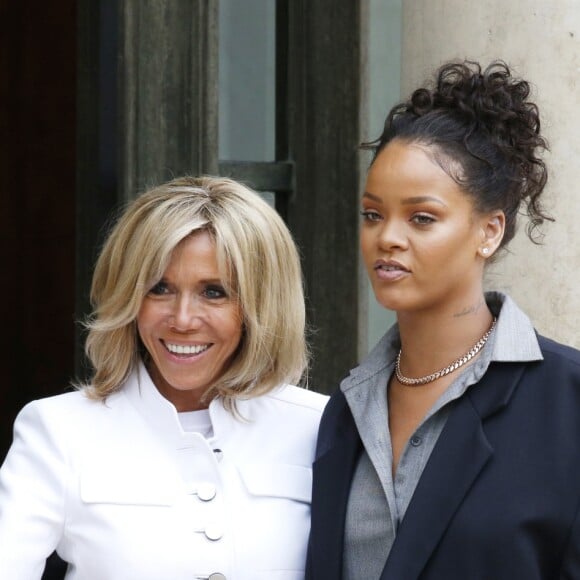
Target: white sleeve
{"type": "Point", "coordinates": [32, 496]}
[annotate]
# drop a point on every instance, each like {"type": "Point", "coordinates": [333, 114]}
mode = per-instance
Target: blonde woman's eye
{"type": "Point", "coordinates": [159, 289]}
{"type": "Point", "coordinates": [370, 215]}
{"type": "Point", "coordinates": [214, 292]}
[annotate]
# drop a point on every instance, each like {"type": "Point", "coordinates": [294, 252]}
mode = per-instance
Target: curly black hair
{"type": "Point", "coordinates": [484, 133]}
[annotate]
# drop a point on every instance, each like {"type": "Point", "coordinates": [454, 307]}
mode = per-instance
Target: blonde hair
{"type": "Point", "coordinates": [259, 263]}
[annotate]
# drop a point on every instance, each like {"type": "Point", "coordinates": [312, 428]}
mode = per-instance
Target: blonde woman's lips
{"type": "Point", "coordinates": [187, 349]}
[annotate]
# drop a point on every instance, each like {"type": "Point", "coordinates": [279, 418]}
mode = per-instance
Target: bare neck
{"type": "Point", "coordinates": [431, 340]}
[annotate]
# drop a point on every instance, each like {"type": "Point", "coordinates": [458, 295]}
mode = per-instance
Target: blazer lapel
{"type": "Point", "coordinates": [333, 470]}
{"type": "Point", "coordinates": [458, 458]}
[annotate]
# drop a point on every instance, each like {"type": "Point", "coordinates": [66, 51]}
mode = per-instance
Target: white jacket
{"type": "Point", "coordinates": [122, 493]}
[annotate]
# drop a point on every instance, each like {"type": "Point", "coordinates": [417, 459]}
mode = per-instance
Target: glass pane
{"type": "Point", "coordinates": [247, 64]}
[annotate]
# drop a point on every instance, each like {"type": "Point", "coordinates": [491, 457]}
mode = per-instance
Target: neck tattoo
{"type": "Point", "coordinates": [448, 369]}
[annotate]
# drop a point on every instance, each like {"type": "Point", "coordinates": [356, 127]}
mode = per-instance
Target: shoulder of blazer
{"type": "Point", "coordinates": [564, 354]}
{"type": "Point", "coordinates": [72, 419]}
{"type": "Point", "coordinates": [74, 405]}
{"type": "Point", "coordinates": [336, 424]}
{"type": "Point", "coordinates": [287, 409]}
{"type": "Point", "coordinates": [299, 397]}
{"type": "Point", "coordinates": [560, 365]}
{"type": "Point", "coordinates": [335, 409]}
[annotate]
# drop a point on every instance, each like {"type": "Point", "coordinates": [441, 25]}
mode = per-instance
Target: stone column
{"type": "Point", "coordinates": [541, 42]}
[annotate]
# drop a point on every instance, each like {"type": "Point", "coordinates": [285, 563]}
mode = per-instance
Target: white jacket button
{"type": "Point", "coordinates": [206, 491]}
{"type": "Point", "coordinates": [213, 532]}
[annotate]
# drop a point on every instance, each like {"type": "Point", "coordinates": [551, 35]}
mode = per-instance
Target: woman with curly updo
{"type": "Point", "coordinates": [453, 450]}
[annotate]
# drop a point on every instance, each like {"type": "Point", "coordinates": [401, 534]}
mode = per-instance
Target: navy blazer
{"type": "Point", "coordinates": [500, 494]}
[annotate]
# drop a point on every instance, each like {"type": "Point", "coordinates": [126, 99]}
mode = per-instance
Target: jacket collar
{"type": "Point", "coordinates": [161, 415]}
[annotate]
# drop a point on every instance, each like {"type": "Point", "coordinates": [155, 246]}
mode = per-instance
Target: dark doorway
{"type": "Point", "coordinates": [37, 202]}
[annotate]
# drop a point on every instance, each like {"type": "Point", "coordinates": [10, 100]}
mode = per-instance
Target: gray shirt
{"type": "Point", "coordinates": [377, 504]}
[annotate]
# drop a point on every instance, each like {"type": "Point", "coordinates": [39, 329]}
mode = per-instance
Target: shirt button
{"type": "Point", "coordinates": [416, 441]}
{"type": "Point", "coordinates": [216, 576]}
{"type": "Point", "coordinates": [218, 454]}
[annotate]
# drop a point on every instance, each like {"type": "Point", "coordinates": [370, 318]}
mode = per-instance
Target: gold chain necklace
{"type": "Point", "coordinates": [448, 369]}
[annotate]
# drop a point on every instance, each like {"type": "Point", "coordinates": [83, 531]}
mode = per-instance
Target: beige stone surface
{"type": "Point", "coordinates": [540, 40]}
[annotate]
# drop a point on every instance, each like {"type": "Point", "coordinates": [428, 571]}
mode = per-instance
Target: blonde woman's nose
{"type": "Point", "coordinates": [187, 313]}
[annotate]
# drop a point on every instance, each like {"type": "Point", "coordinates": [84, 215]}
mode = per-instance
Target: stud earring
{"type": "Point", "coordinates": [485, 251]}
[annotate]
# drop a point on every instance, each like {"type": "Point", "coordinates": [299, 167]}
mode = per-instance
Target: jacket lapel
{"type": "Point", "coordinates": [458, 458]}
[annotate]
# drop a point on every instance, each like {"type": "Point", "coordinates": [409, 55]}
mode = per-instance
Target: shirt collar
{"type": "Point", "coordinates": [515, 337]}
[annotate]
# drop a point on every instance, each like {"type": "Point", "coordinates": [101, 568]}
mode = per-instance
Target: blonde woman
{"type": "Point", "coordinates": [188, 454]}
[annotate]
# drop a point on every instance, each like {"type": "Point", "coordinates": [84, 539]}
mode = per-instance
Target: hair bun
{"type": "Point", "coordinates": [421, 102]}
{"type": "Point", "coordinates": [491, 100]}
